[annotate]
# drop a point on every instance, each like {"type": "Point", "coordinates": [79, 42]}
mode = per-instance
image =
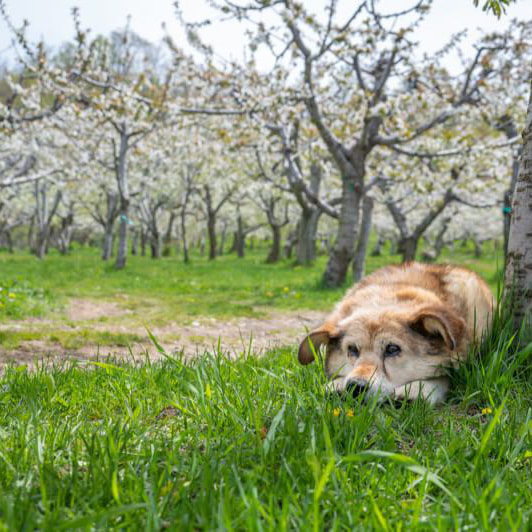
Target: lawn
{"type": "Point", "coordinates": [251, 443]}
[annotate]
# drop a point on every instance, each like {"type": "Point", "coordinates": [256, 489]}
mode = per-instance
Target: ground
{"type": "Point", "coordinates": [79, 307]}
{"type": "Point", "coordinates": [246, 442]}
{"type": "Point", "coordinates": [82, 334]}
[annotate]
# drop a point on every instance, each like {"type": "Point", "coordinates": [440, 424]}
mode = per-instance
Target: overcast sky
{"type": "Point", "coordinates": [51, 21]}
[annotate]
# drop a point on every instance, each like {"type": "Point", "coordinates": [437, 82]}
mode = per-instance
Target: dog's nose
{"type": "Point", "coordinates": [356, 387]}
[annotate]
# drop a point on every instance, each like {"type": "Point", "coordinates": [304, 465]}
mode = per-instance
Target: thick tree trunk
{"type": "Point", "coordinates": [344, 247]}
{"type": "Point", "coordinates": [519, 258]}
{"type": "Point", "coordinates": [275, 251]}
{"type": "Point", "coordinates": [408, 248]}
{"type": "Point", "coordinates": [359, 262]}
{"type": "Point", "coordinates": [507, 206]}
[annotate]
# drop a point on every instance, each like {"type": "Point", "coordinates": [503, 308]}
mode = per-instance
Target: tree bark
{"type": "Point", "coordinates": [167, 240]}
{"type": "Point", "coordinates": [155, 246]}
{"type": "Point", "coordinates": [519, 258]}
{"type": "Point", "coordinates": [135, 243]}
{"type": "Point", "coordinates": [359, 262]}
{"type": "Point", "coordinates": [109, 224]}
{"type": "Point", "coordinates": [121, 255]}
{"type": "Point", "coordinates": [377, 248]}
{"type": "Point", "coordinates": [107, 244]}
{"type": "Point", "coordinates": [306, 239]}
{"type": "Point", "coordinates": [408, 247]}
{"type": "Point", "coordinates": [240, 238]}
{"type": "Point", "coordinates": [275, 251]}
{"type": "Point", "coordinates": [344, 247]}
{"type": "Point", "coordinates": [186, 257]}
{"type": "Point", "coordinates": [123, 188]}
{"type": "Point", "coordinates": [211, 231]}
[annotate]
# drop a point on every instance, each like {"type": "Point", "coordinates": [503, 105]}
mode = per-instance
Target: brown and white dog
{"type": "Point", "coordinates": [395, 332]}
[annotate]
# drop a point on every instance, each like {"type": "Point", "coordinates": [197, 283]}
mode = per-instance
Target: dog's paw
{"type": "Point", "coordinates": [433, 391]}
{"type": "Point", "coordinates": [335, 386]}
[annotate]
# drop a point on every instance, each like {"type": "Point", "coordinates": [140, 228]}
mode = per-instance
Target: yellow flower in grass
{"type": "Point", "coordinates": [486, 411]}
{"type": "Point", "coordinates": [269, 294]}
{"type": "Point", "coordinates": [11, 295]}
{"type": "Point", "coordinates": [349, 413]}
{"type": "Point", "coordinates": [286, 289]}
{"type": "Point", "coordinates": [336, 412]}
{"type": "Point", "coordinates": [527, 455]}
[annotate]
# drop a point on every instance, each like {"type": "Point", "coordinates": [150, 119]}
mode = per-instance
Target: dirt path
{"type": "Point", "coordinates": [93, 318]}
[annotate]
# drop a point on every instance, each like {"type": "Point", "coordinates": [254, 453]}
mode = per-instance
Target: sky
{"type": "Point", "coordinates": [50, 20]}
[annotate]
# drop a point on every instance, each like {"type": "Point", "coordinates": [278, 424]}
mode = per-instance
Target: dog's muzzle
{"type": "Point", "coordinates": [356, 387]}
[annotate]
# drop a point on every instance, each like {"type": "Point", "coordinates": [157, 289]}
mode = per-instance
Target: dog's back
{"type": "Point", "coordinates": [413, 283]}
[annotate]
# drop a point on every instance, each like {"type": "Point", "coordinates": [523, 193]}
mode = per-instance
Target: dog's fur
{"type": "Point", "coordinates": [432, 313]}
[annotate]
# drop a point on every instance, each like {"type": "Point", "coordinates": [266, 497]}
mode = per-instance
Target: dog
{"type": "Point", "coordinates": [395, 332]}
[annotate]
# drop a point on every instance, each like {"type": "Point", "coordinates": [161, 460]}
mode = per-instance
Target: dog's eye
{"type": "Point", "coordinates": [392, 350]}
{"type": "Point", "coordinates": [352, 351]}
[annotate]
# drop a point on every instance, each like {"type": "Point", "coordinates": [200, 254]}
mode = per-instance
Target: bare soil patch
{"type": "Point", "coordinates": [192, 338]}
{"type": "Point", "coordinates": [89, 309]}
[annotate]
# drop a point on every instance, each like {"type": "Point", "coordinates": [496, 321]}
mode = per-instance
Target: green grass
{"type": "Point", "coordinates": [254, 444]}
{"type": "Point", "coordinates": [161, 290]}
{"type": "Point", "coordinates": [250, 443]}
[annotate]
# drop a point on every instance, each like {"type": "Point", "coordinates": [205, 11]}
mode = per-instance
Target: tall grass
{"type": "Point", "coordinates": [255, 443]}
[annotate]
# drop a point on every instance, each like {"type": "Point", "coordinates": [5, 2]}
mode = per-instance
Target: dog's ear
{"type": "Point", "coordinates": [439, 323]}
{"type": "Point", "coordinates": [318, 337]}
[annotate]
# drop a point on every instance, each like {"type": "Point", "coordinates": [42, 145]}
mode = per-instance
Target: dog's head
{"type": "Point", "coordinates": [397, 352]}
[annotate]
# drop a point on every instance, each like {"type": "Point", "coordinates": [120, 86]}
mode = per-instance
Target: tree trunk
{"type": "Point", "coordinates": [123, 189]}
{"type": "Point", "coordinates": [306, 238]}
{"type": "Point", "coordinates": [240, 238]}
{"type": "Point", "coordinates": [167, 241]}
{"type": "Point", "coordinates": [275, 251]}
{"type": "Point", "coordinates": [519, 258]}
{"type": "Point", "coordinates": [155, 246]}
{"type": "Point", "coordinates": [31, 233]}
{"type": "Point", "coordinates": [41, 245]}
{"type": "Point", "coordinates": [135, 243]}
{"type": "Point", "coordinates": [222, 239]}
{"type": "Point", "coordinates": [344, 247]}
{"type": "Point", "coordinates": [211, 231]}
{"type": "Point", "coordinates": [121, 255]}
{"type": "Point", "coordinates": [377, 248]}
{"type": "Point", "coordinates": [359, 262]}
{"type": "Point", "coordinates": [107, 244]}
{"type": "Point", "coordinates": [408, 248]}
{"type": "Point", "coordinates": [186, 257]}
{"type": "Point", "coordinates": [201, 245]}
{"type": "Point", "coordinates": [143, 241]}
{"type": "Point", "coordinates": [291, 241]}
{"type": "Point", "coordinates": [478, 248]}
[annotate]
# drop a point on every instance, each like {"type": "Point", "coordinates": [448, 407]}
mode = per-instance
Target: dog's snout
{"type": "Point", "coordinates": [356, 387]}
